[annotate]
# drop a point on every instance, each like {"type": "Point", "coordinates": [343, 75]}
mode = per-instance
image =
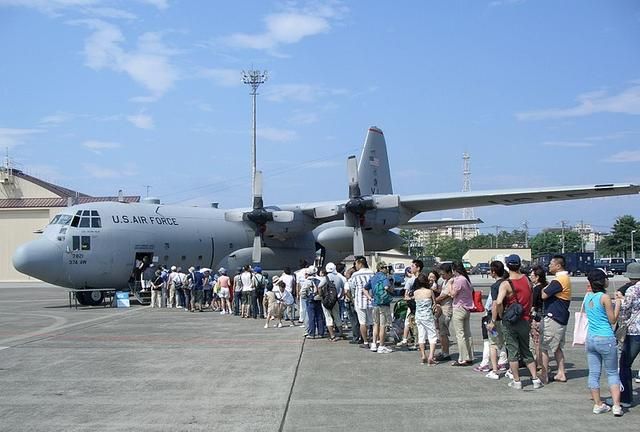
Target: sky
{"type": "Point", "coordinates": [146, 96]}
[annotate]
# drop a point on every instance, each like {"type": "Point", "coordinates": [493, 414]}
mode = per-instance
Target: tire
{"type": "Point", "coordinates": [90, 298]}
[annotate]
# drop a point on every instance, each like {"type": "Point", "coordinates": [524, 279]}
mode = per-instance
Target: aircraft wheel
{"type": "Point", "coordinates": [90, 298]}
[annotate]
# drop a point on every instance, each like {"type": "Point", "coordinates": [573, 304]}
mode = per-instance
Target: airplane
{"type": "Point", "coordinates": [96, 245]}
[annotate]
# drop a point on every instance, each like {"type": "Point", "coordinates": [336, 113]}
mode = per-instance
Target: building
{"type": "Point", "coordinates": [27, 204]}
{"type": "Point", "coordinates": [475, 256]}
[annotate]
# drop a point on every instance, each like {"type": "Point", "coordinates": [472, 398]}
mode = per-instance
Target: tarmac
{"type": "Point", "coordinates": [143, 369]}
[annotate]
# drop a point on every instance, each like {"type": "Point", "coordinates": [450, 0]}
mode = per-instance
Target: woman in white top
{"type": "Point", "coordinates": [425, 320]}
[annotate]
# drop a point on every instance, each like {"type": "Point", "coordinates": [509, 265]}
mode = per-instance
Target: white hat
{"type": "Point", "coordinates": [311, 270]}
{"type": "Point", "coordinates": [330, 267]}
{"type": "Point", "coordinates": [174, 268]}
{"type": "Point", "coordinates": [192, 268]}
{"type": "Point", "coordinates": [222, 270]}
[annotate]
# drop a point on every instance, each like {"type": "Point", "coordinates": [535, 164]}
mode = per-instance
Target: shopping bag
{"type": "Point", "coordinates": [580, 328]}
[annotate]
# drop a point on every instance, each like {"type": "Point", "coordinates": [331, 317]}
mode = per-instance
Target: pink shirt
{"type": "Point", "coordinates": [461, 292]}
{"type": "Point", "coordinates": [223, 281]}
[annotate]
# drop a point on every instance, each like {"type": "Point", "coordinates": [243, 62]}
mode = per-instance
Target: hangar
{"type": "Point", "coordinates": [27, 204]}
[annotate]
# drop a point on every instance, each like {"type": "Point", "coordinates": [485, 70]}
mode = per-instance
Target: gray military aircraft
{"type": "Point", "coordinates": [96, 245]}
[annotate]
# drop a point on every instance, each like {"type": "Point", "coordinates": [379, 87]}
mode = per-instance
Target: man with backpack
{"type": "Point", "coordinates": [380, 291]}
{"type": "Point", "coordinates": [330, 306]}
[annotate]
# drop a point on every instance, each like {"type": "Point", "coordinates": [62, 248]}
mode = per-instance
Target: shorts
{"type": "Point", "coordinates": [426, 330]}
{"type": "Point", "coordinates": [497, 340]}
{"type": "Point", "coordinates": [382, 315]}
{"type": "Point", "coordinates": [516, 337]}
{"type": "Point", "coordinates": [198, 296]}
{"type": "Point", "coordinates": [332, 316]}
{"type": "Point", "coordinates": [552, 335]}
{"type": "Point", "coordinates": [365, 316]}
{"type": "Point", "coordinates": [246, 297]}
{"type": "Point", "coordinates": [224, 293]}
{"type": "Point", "coordinates": [444, 320]}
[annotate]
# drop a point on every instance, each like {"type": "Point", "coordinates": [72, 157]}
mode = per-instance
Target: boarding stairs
{"type": "Point", "coordinates": [143, 296]}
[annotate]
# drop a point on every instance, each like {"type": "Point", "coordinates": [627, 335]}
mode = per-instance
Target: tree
{"type": "Point", "coordinates": [572, 242]}
{"type": "Point", "coordinates": [450, 249]}
{"type": "Point", "coordinates": [545, 242]}
{"type": "Point", "coordinates": [481, 241]}
{"type": "Point", "coordinates": [618, 243]}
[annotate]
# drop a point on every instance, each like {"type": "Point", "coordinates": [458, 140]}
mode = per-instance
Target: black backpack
{"type": "Point", "coordinates": [329, 294]}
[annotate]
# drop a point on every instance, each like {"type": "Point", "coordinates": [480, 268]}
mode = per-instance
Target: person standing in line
{"type": "Point", "coordinates": [248, 289]}
{"type": "Point", "coordinates": [494, 326]}
{"type": "Point", "coordinates": [514, 304]}
{"type": "Point", "coordinates": [237, 292]}
{"type": "Point", "coordinates": [629, 314]}
{"type": "Point", "coordinates": [462, 294]}
{"type": "Point", "coordinates": [290, 285]}
{"type": "Point", "coordinates": [380, 291]}
{"type": "Point", "coordinates": [601, 341]}
{"type": "Point", "coordinates": [156, 289]}
{"type": "Point", "coordinates": [445, 300]}
{"type": "Point", "coordinates": [362, 300]}
{"type": "Point", "coordinates": [225, 291]}
{"type": "Point", "coordinates": [539, 280]}
{"type": "Point", "coordinates": [425, 320]}
{"type": "Point", "coordinates": [556, 298]}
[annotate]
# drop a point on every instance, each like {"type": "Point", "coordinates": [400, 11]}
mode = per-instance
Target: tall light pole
{"type": "Point", "coordinates": [254, 78]}
{"type": "Point", "coordinates": [633, 254]}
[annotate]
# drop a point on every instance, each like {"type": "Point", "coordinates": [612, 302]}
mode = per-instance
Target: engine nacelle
{"type": "Point", "coordinates": [340, 238]}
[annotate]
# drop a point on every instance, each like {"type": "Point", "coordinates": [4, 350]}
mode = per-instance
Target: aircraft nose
{"type": "Point", "coordinates": [40, 259]}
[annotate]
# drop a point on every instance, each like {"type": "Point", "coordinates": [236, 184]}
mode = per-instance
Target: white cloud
{"type": "Point", "coordinates": [96, 171]}
{"type": "Point", "coordinates": [295, 92]}
{"type": "Point", "coordinates": [149, 65]}
{"type": "Point", "coordinates": [98, 146]}
{"type": "Point", "coordinates": [57, 118]}
{"type": "Point", "coordinates": [274, 134]}
{"type": "Point", "coordinates": [160, 4]}
{"type": "Point", "coordinates": [301, 118]}
{"type": "Point", "coordinates": [11, 137]}
{"type": "Point", "coordinates": [223, 77]}
{"type": "Point", "coordinates": [626, 102]}
{"type": "Point", "coordinates": [142, 121]}
{"type": "Point", "coordinates": [49, 7]}
{"type": "Point", "coordinates": [625, 156]}
{"type": "Point", "coordinates": [108, 12]}
{"type": "Point", "coordinates": [570, 144]}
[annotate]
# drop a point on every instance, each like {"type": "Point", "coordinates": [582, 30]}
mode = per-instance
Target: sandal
{"type": "Point", "coordinates": [464, 363]}
{"type": "Point", "coordinates": [432, 362]}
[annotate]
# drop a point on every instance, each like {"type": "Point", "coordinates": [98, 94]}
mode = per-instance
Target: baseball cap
{"type": "Point", "coordinates": [257, 269]}
{"type": "Point", "coordinates": [330, 267]}
{"type": "Point", "coordinates": [513, 259]}
{"type": "Point", "coordinates": [311, 270]}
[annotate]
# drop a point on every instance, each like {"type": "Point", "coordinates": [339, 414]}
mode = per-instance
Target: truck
{"type": "Point", "coordinates": [612, 265]}
{"type": "Point", "coordinates": [576, 263]}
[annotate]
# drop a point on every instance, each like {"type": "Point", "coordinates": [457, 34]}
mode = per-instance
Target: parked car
{"type": "Point", "coordinates": [481, 269]}
{"type": "Point", "coordinates": [612, 265]}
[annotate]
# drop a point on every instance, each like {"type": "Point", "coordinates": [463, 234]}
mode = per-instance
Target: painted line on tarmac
{"type": "Point", "coordinates": [293, 383]}
{"type": "Point", "coordinates": [1, 348]}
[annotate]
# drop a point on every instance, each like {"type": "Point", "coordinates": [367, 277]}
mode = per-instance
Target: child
{"type": "Point", "coordinates": [285, 300]}
{"type": "Point", "coordinates": [274, 310]}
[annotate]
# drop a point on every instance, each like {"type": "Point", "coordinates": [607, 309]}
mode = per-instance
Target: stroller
{"type": "Point", "coordinates": [398, 315]}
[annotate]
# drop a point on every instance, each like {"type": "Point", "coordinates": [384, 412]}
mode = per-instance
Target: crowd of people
{"type": "Point", "coordinates": [524, 324]}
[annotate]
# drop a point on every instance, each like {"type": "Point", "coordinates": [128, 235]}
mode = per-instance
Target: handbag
{"type": "Point", "coordinates": [477, 301]}
{"type": "Point", "coordinates": [580, 327]}
{"type": "Point", "coordinates": [621, 331]}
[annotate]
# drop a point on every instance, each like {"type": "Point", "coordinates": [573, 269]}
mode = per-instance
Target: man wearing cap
{"type": "Point", "coordinates": [513, 291]}
{"type": "Point", "coordinates": [556, 298]}
{"type": "Point", "coordinates": [309, 293]}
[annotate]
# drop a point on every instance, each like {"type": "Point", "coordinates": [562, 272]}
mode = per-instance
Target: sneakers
{"type": "Point", "coordinates": [492, 375]}
{"type": "Point", "coordinates": [266, 326]}
{"type": "Point", "coordinates": [279, 325]}
{"type": "Point", "coordinates": [516, 385]}
{"type": "Point", "coordinates": [503, 367]}
{"type": "Point", "coordinates": [402, 343]}
{"type": "Point", "coordinates": [373, 347]}
{"type": "Point", "coordinates": [617, 410]}
{"type": "Point", "coordinates": [508, 374]}
{"type": "Point", "coordinates": [479, 368]}
{"type": "Point", "coordinates": [604, 408]}
{"type": "Point", "coordinates": [609, 401]}
{"type": "Point", "coordinates": [384, 350]}
{"type": "Point", "coordinates": [536, 383]}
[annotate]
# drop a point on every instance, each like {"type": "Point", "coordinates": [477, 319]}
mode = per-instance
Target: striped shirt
{"type": "Point", "coordinates": [357, 283]}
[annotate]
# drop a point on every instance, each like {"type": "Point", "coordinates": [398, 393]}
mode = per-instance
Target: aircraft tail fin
{"type": "Point", "coordinates": [374, 176]}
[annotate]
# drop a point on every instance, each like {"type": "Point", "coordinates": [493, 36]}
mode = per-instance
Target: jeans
{"type": "Point", "coordinates": [237, 298]}
{"type": "Point", "coordinates": [180, 297]}
{"type": "Point", "coordinates": [630, 351]}
{"type": "Point", "coordinates": [353, 319]}
{"type": "Point", "coordinates": [602, 352]}
{"type": "Point", "coordinates": [315, 318]}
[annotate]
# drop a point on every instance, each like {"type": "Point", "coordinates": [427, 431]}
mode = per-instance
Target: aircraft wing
{"type": "Point", "coordinates": [426, 224]}
{"type": "Point", "coordinates": [447, 201]}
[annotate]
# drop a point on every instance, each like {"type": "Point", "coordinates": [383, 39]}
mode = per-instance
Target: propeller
{"type": "Point", "coordinates": [357, 206]}
{"type": "Point", "coordinates": [259, 217]}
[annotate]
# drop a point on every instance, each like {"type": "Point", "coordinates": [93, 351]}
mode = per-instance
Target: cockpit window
{"type": "Point", "coordinates": [61, 219]}
{"type": "Point", "coordinates": [86, 219]}
{"type": "Point", "coordinates": [54, 220]}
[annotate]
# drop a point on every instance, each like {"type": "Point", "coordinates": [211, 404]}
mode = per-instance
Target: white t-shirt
{"type": "Point", "coordinates": [288, 281]}
{"type": "Point", "coordinates": [247, 281]}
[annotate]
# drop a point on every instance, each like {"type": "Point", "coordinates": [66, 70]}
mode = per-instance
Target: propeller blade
{"type": "Point", "coordinates": [325, 212]}
{"type": "Point", "coordinates": [358, 241]}
{"type": "Point", "coordinates": [234, 216]}
{"type": "Point", "coordinates": [352, 170]}
{"type": "Point", "coordinates": [257, 191]}
{"type": "Point", "coordinates": [386, 201]}
{"type": "Point", "coordinates": [282, 216]}
{"type": "Point", "coordinates": [256, 255]}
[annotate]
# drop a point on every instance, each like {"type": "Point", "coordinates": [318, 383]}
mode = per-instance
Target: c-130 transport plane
{"type": "Point", "coordinates": [96, 245]}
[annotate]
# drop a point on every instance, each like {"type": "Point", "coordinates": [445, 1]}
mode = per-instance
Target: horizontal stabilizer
{"type": "Point", "coordinates": [426, 224]}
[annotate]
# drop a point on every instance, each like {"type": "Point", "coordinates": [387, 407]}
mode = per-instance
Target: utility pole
{"type": "Point", "coordinates": [254, 78]}
{"type": "Point", "coordinates": [496, 227]}
{"type": "Point", "coordinates": [526, 234]}
{"type": "Point", "coordinates": [563, 222]}
{"type": "Point", "coordinates": [633, 254]}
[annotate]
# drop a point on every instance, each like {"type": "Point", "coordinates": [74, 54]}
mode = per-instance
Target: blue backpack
{"type": "Point", "coordinates": [380, 294]}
